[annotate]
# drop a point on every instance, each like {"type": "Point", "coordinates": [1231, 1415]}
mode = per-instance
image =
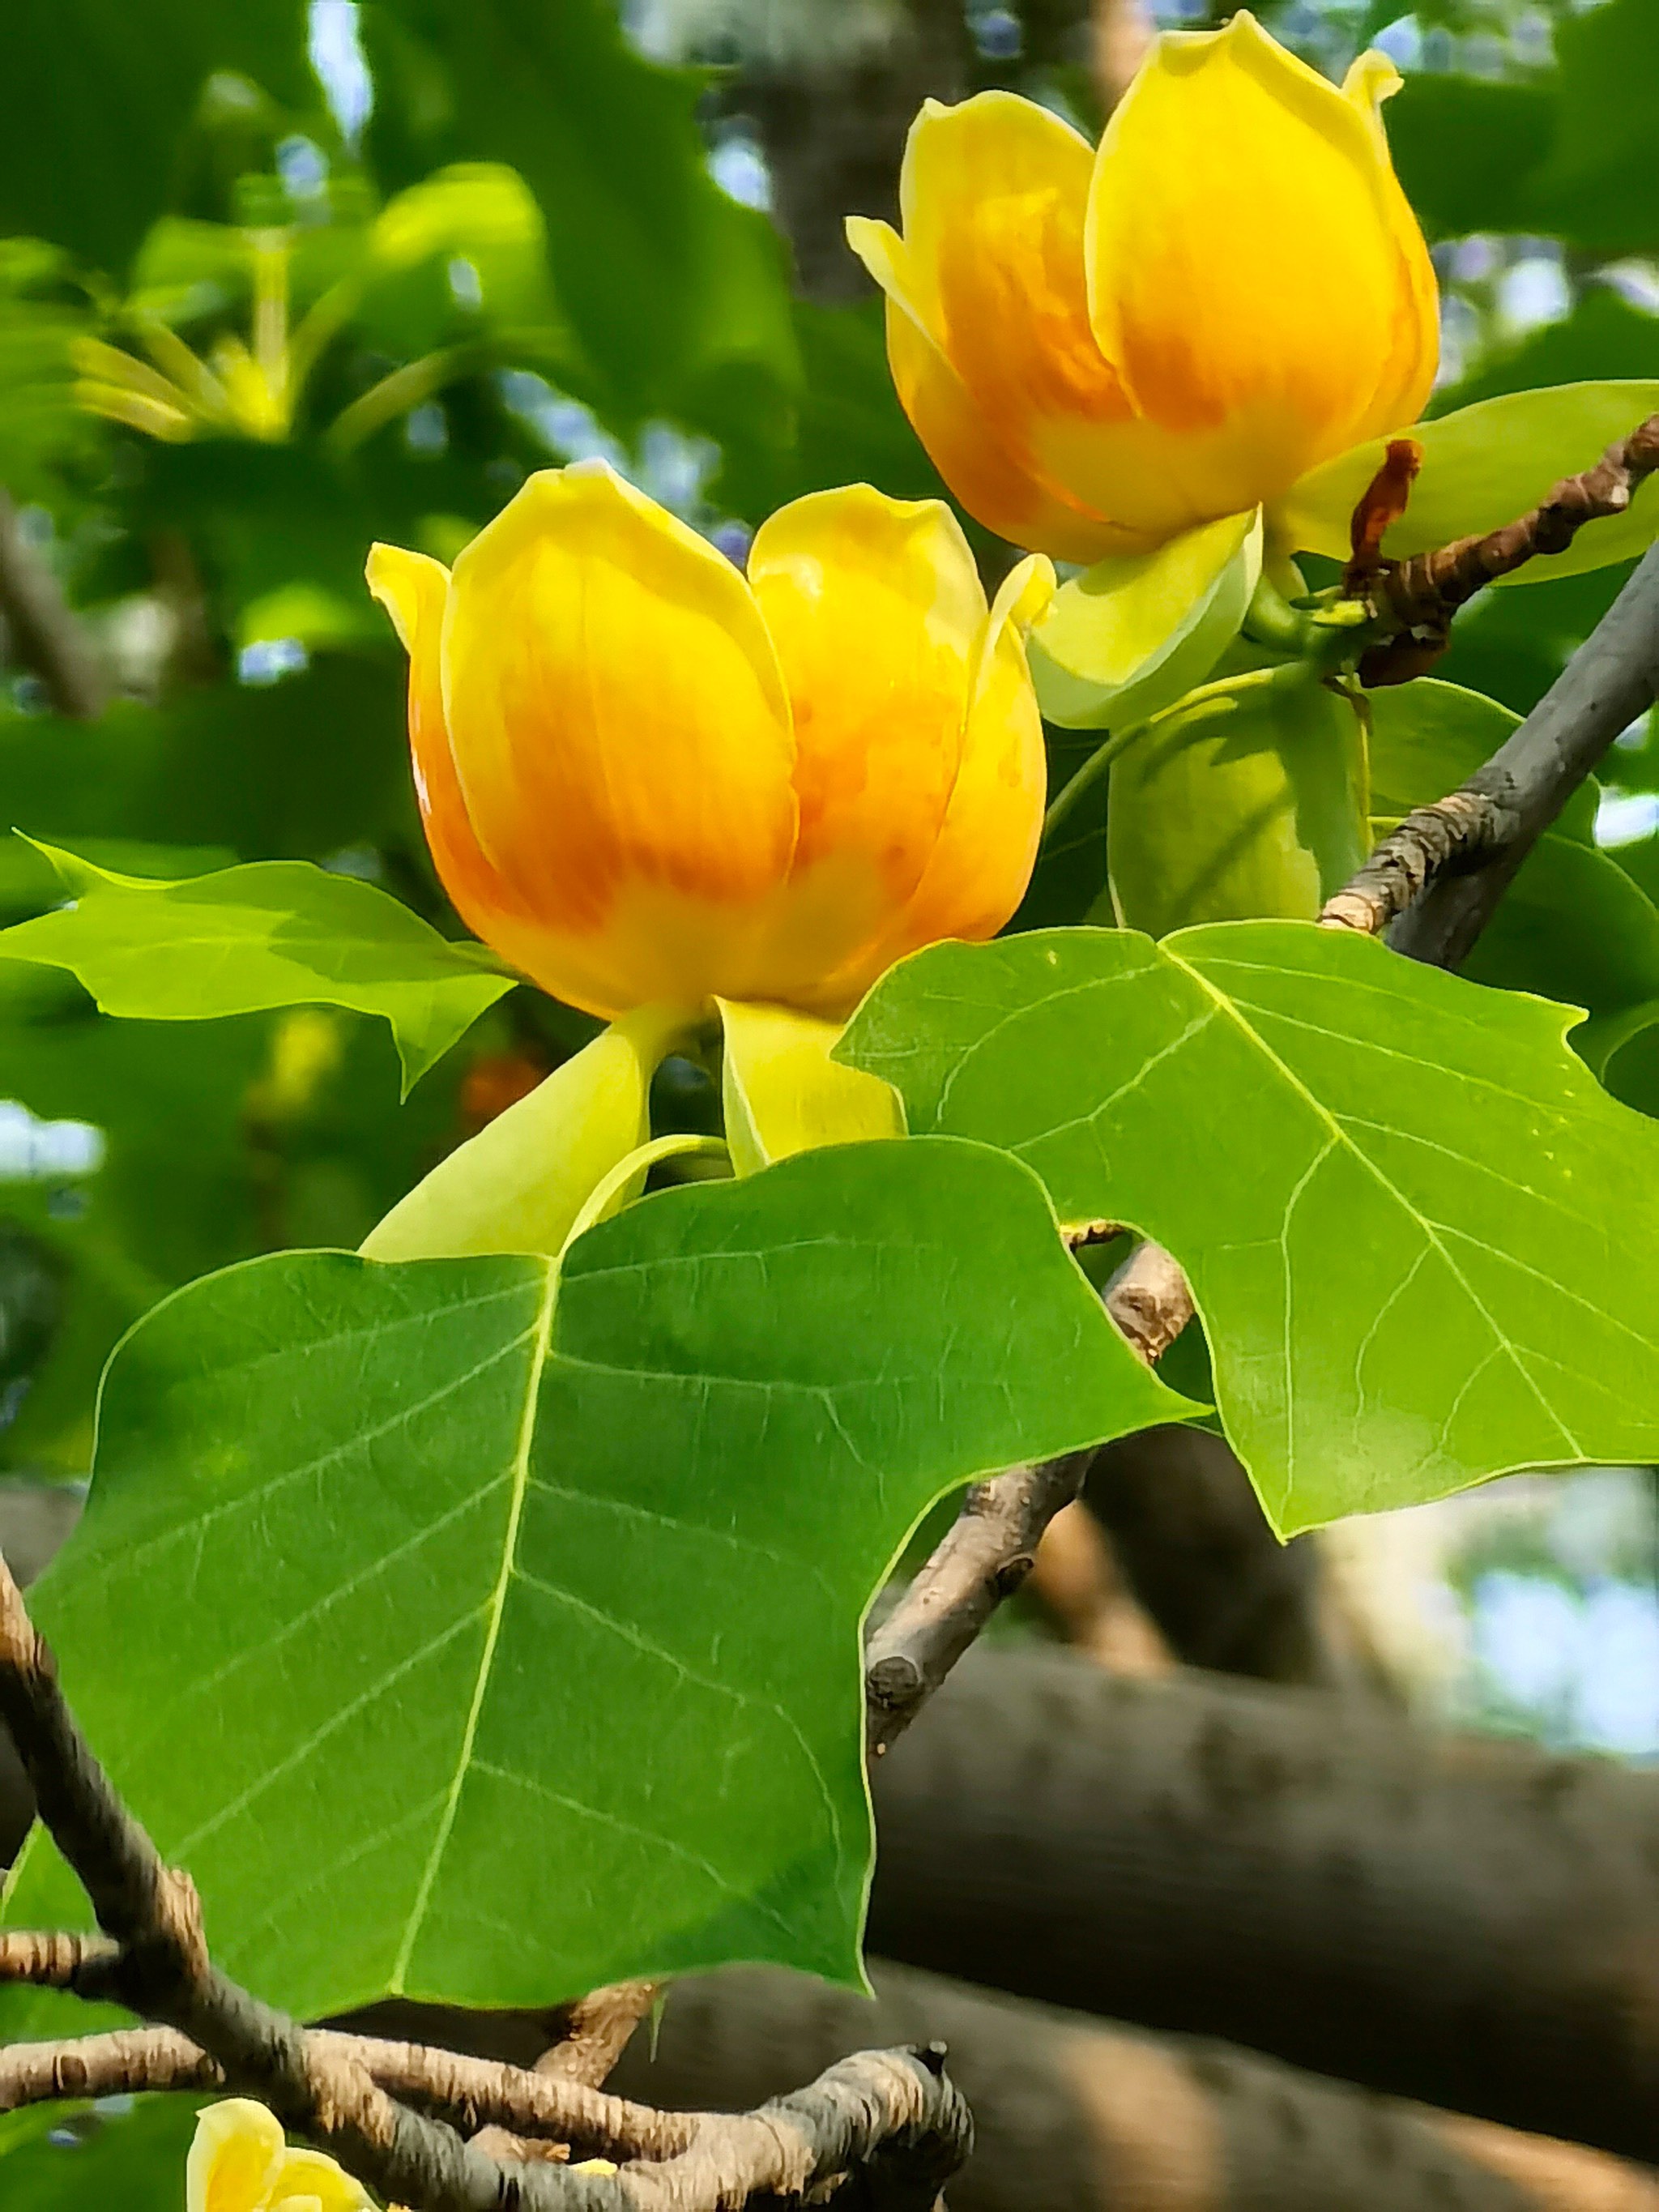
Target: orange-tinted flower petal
{"type": "Point", "coordinates": [1255, 275]}
{"type": "Point", "coordinates": [415, 590]}
{"type": "Point", "coordinates": [876, 608]}
{"type": "Point", "coordinates": [987, 841]}
{"type": "Point", "coordinates": [996, 195]}
{"type": "Point", "coordinates": [621, 732]}
{"type": "Point", "coordinates": [1406, 372]}
{"type": "Point", "coordinates": [965, 449]}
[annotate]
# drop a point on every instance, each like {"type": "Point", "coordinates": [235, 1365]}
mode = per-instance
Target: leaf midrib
{"type": "Point", "coordinates": [541, 1346]}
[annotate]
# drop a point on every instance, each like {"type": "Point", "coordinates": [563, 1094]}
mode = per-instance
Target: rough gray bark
{"type": "Point", "coordinates": [1073, 2116]}
{"type": "Point", "coordinates": [1470, 1923]}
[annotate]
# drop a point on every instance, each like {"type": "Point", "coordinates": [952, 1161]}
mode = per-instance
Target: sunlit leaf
{"type": "Point", "coordinates": [1484, 465]}
{"type": "Point", "coordinates": [242, 940]}
{"type": "Point", "coordinates": [512, 1618]}
{"type": "Point", "coordinates": [1424, 1242]}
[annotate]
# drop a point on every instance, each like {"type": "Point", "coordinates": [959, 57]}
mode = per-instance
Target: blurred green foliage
{"type": "Point", "coordinates": [250, 321]}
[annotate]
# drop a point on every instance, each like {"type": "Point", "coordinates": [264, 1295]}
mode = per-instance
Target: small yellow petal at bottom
{"type": "Point", "coordinates": [235, 2157]}
{"type": "Point", "coordinates": [520, 1183]}
{"type": "Point", "coordinates": [784, 1094]}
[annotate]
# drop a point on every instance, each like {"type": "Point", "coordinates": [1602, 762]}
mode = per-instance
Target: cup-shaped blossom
{"type": "Point", "coordinates": [239, 2162]}
{"type": "Point", "coordinates": [1104, 349]}
{"type": "Point", "coordinates": [649, 779]}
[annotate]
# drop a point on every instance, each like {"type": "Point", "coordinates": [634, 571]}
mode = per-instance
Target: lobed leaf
{"type": "Point", "coordinates": [1424, 1242]}
{"type": "Point", "coordinates": [485, 1632]}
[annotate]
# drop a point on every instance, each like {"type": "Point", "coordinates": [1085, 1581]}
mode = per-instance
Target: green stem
{"type": "Point", "coordinates": [1065, 804]}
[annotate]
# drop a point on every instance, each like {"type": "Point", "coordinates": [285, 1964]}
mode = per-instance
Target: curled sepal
{"type": "Point", "coordinates": [784, 1094]}
{"type": "Point", "coordinates": [1246, 801]}
{"type": "Point", "coordinates": [1137, 630]}
{"type": "Point", "coordinates": [521, 1184]}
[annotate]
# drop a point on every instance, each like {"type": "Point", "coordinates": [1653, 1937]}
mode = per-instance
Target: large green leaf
{"type": "Point", "coordinates": [487, 1634]}
{"type": "Point", "coordinates": [101, 92]}
{"type": "Point", "coordinates": [1600, 186]}
{"type": "Point", "coordinates": [244, 940]}
{"type": "Point", "coordinates": [1425, 1243]}
{"type": "Point", "coordinates": [1466, 148]}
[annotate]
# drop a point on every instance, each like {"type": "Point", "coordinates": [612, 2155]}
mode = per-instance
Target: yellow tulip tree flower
{"type": "Point", "coordinates": [239, 2162]}
{"type": "Point", "coordinates": [1177, 354]}
{"type": "Point", "coordinates": [1176, 360]}
{"type": "Point", "coordinates": [1128, 357]}
{"type": "Point", "coordinates": [658, 787]}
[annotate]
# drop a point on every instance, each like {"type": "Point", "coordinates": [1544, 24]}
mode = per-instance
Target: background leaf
{"type": "Point", "coordinates": [90, 152]}
{"type": "Point", "coordinates": [243, 940]}
{"type": "Point", "coordinates": [1425, 1244]}
{"type": "Point", "coordinates": [522, 1633]}
{"type": "Point", "coordinates": [669, 285]}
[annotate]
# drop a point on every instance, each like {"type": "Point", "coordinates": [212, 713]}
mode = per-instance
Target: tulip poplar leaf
{"type": "Point", "coordinates": [1424, 1242]}
{"type": "Point", "coordinates": [272, 933]}
{"type": "Point", "coordinates": [511, 1612]}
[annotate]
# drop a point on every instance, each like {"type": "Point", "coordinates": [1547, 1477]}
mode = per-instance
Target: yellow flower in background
{"type": "Point", "coordinates": [647, 780]}
{"type": "Point", "coordinates": [1104, 350]}
{"type": "Point", "coordinates": [239, 2162]}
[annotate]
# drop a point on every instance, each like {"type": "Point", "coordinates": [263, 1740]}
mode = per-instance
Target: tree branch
{"type": "Point", "coordinates": [1426, 591]}
{"type": "Point", "coordinates": [46, 637]}
{"type": "Point", "coordinates": [987, 1551]}
{"type": "Point", "coordinates": [1435, 881]}
{"type": "Point", "coordinates": [892, 2114]}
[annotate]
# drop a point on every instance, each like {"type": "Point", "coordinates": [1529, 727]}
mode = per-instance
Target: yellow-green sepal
{"type": "Point", "coordinates": [1132, 633]}
{"type": "Point", "coordinates": [1482, 467]}
{"type": "Point", "coordinates": [784, 1094]}
{"type": "Point", "coordinates": [1247, 801]}
{"type": "Point", "coordinates": [522, 1184]}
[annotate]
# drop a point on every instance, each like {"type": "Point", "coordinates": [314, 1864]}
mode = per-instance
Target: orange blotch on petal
{"type": "Point", "coordinates": [1255, 274]}
{"type": "Point", "coordinates": [987, 841]}
{"type": "Point", "coordinates": [874, 605]}
{"type": "Point", "coordinates": [615, 711]}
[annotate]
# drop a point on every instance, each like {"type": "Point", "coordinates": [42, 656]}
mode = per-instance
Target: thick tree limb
{"type": "Point", "coordinates": [892, 2115]}
{"type": "Point", "coordinates": [1074, 2115]}
{"type": "Point", "coordinates": [987, 1551]}
{"type": "Point", "coordinates": [1188, 1533]}
{"type": "Point", "coordinates": [46, 637]}
{"type": "Point", "coordinates": [1471, 1923]}
{"type": "Point", "coordinates": [1435, 881]}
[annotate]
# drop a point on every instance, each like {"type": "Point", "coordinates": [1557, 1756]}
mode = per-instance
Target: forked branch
{"type": "Point", "coordinates": [1435, 881]}
{"type": "Point", "coordinates": [392, 2114]}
